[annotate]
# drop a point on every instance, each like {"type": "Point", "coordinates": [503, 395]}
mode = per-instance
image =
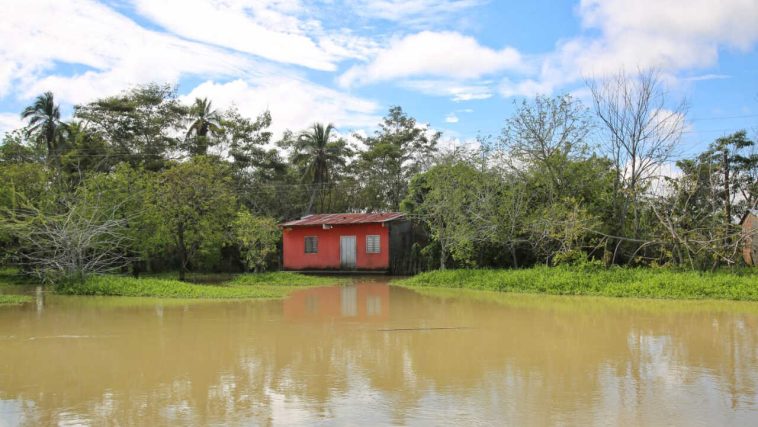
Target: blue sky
{"type": "Point", "coordinates": [455, 64]}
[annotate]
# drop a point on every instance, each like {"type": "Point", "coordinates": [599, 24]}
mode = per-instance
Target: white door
{"type": "Point", "coordinates": [347, 252]}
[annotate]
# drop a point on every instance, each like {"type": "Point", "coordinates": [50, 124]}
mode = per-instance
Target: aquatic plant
{"type": "Point", "coordinates": [613, 282]}
{"type": "Point", "coordinates": [269, 285]}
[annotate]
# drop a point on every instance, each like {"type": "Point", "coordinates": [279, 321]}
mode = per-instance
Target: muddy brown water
{"type": "Point", "coordinates": [372, 354]}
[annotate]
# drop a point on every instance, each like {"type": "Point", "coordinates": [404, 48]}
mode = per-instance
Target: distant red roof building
{"type": "Point", "coordinates": [344, 218]}
{"type": "Point", "coordinates": [345, 241]}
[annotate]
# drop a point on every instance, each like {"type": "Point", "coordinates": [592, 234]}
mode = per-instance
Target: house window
{"type": "Point", "coordinates": [372, 245]}
{"type": "Point", "coordinates": [311, 245]}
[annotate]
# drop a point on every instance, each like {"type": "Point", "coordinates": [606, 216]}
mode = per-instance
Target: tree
{"type": "Point", "coordinates": [205, 122]}
{"type": "Point", "coordinates": [85, 153]}
{"type": "Point", "coordinates": [641, 134]}
{"type": "Point", "coordinates": [192, 204]}
{"type": "Point", "coordinates": [318, 156]}
{"type": "Point", "coordinates": [395, 153]}
{"type": "Point", "coordinates": [447, 199]}
{"type": "Point", "coordinates": [125, 192]}
{"type": "Point", "coordinates": [16, 149]}
{"type": "Point", "coordinates": [141, 125]}
{"type": "Point", "coordinates": [244, 139]}
{"type": "Point", "coordinates": [544, 135]}
{"type": "Point", "coordinates": [699, 213]}
{"type": "Point", "coordinates": [736, 164]}
{"type": "Point", "coordinates": [80, 241]}
{"type": "Point", "coordinates": [25, 189]}
{"type": "Point", "coordinates": [257, 238]}
{"type": "Point", "coordinates": [45, 124]}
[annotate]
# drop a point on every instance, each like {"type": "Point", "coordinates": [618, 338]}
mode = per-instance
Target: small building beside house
{"type": "Point", "coordinates": [372, 242]}
{"type": "Point", "coordinates": [749, 225]}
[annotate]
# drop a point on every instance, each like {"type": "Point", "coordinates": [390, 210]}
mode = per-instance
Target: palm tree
{"type": "Point", "coordinates": [318, 157]}
{"type": "Point", "coordinates": [45, 123]}
{"type": "Point", "coordinates": [205, 120]}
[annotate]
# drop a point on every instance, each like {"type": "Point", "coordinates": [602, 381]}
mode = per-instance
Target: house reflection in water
{"type": "Point", "coordinates": [365, 302]}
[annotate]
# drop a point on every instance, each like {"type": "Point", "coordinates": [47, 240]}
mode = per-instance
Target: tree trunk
{"type": "Point", "coordinates": [182, 251]}
{"type": "Point", "coordinates": [513, 256]}
{"type": "Point", "coordinates": [443, 256]}
{"type": "Point", "coordinates": [309, 210]}
{"type": "Point", "coordinates": [727, 202]}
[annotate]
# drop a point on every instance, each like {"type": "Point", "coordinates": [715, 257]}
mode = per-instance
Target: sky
{"type": "Point", "coordinates": [458, 65]}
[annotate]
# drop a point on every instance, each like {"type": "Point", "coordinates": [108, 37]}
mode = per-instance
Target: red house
{"type": "Point", "coordinates": [349, 242]}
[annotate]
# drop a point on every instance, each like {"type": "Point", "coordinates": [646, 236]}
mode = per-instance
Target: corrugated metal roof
{"type": "Point", "coordinates": [344, 218]}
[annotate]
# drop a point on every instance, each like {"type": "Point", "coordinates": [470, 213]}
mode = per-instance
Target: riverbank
{"type": "Point", "coordinates": [245, 286]}
{"type": "Point", "coordinates": [614, 282]}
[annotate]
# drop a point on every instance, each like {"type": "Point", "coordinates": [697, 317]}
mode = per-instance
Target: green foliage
{"type": "Point", "coordinates": [204, 127]}
{"type": "Point", "coordinates": [257, 238]}
{"type": "Point", "coordinates": [14, 299]}
{"type": "Point", "coordinates": [141, 124]}
{"type": "Point", "coordinates": [319, 160]}
{"type": "Point", "coordinates": [16, 148]}
{"type": "Point", "coordinates": [200, 189]}
{"type": "Point", "coordinates": [395, 153]}
{"type": "Point", "coordinates": [125, 191]}
{"type": "Point", "coordinates": [283, 278]}
{"type": "Point", "coordinates": [45, 125]}
{"type": "Point", "coordinates": [269, 285]}
{"type": "Point", "coordinates": [448, 200]}
{"type": "Point", "coordinates": [192, 205]}
{"type": "Point", "coordinates": [614, 282]}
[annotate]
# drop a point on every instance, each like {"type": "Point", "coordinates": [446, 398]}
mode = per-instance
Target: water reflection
{"type": "Point", "coordinates": [323, 356]}
{"type": "Point", "coordinates": [362, 302]}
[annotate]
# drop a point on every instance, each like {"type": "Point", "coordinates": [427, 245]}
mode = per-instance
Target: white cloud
{"type": "Point", "coordinates": [671, 35]}
{"type": "Point", "coordinates": [526, 88]}
{"type": "Point", "coordinates": [294, 104]}
{"type": "Point", "coordinates": [705, 77]}
{"type": "Point", "coordinates": [451, 118]}
{"type": "Point", "coordinates": [457, 91]}
{"type": "Point", "coordinates": [9, 122]}
{"type": "Point", "coordinates": [412, 12]}
{"type": "Point", "coordinates": [433, 54]}
{"type": "Point", "coordinates": [114, 50]}
{"type": "Point", "coordinates": [269, 29]}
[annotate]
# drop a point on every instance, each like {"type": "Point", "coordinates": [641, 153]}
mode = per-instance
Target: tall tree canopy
{"type": "Point", "coordinates": [394, 154]}
{"type": "Point", "coordinates": [205, 122]}
{"type": "Point", "coordinates": [319, 157]}
{"type": "Point", "coordinates": [45, 125]}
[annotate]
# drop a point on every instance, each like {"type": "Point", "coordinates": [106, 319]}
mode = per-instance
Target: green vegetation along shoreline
{"type": "Point", "coordinates": [245, 286]}
{"type": "Point", "coordinates": [614, 282]}
{"type": "Point", "coordinates": [14, 299]}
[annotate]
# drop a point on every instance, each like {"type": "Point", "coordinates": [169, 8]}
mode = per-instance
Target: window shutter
{"type": "Point", "coordinates": [372, 244]}
{"type": "Point", "coordinates": [311, 245]}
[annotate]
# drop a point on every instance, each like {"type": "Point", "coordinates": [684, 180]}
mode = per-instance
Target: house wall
{"type": "Point", "coordinates": [328, 256]}
{"type": "Point", "coordinates": [750, 250]}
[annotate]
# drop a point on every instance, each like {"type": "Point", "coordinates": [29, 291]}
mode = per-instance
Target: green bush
{"type": "Point", "coordinates": [269, 285]}
{"type": "Point", "coordinates": [588, 279]}
{"type": "Point", "coordinates": [14, 299]}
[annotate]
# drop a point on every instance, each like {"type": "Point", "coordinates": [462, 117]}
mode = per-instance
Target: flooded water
{"type": "Point", "coordinates": [370, 354]}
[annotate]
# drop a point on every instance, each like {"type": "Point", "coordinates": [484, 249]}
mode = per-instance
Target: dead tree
{"type": "Point", "coordinates": [642, 132]}
{"type": "Point", "coordinates": [72, 245]}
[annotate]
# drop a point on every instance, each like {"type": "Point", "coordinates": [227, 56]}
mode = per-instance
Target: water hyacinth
{"type": "Point", "coordinates": [614, 282]}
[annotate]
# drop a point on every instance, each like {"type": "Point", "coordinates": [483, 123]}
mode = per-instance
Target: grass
{"type": "Point", "coordinates": [12, 277]}
{"type": "Point", "coordinates": [246, 286]}
{"type": "Point", "coordinates": [614, 282]}
{"type": "Point", "coordinates": [14, 299]}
